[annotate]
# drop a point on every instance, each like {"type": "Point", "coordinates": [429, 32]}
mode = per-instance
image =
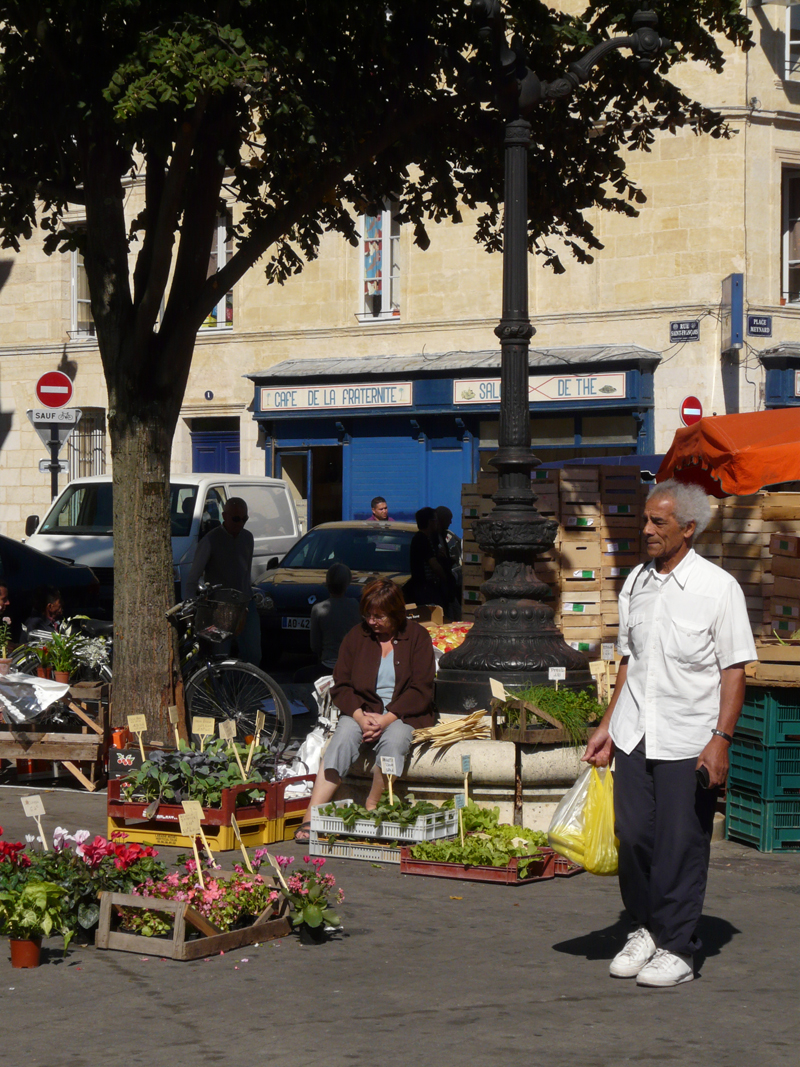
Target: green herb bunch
{"type": "Point", "coordinates": [402, 810]}
{"type": "Point", "coordinates": [487, 842]}
{"type": "Point", "coordinates": [574, 709]}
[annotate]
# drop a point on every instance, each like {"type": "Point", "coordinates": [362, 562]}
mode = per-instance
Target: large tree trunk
{"type": "Point", "coordinates": [144, 652]}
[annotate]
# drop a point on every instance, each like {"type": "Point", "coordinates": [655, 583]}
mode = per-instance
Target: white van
{"type": "Point", "coordinates": [78, 526]}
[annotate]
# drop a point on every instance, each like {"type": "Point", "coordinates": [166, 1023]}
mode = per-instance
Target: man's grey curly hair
{"type": "Point", "coordinates": [691, 503]}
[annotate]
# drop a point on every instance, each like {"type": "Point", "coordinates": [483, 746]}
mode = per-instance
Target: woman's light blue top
{"type": "Point", "coordinates": [384, 686]}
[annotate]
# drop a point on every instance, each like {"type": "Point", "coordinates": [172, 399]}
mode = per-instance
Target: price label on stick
{"type": "Point", "coordinates": [194, 807]}
{"type": "Point", "coordinates": [557, 674]}
{"type": "Point", "coordinates": [261, 719]}
{"type": "Point", "coordinates": [204, 726]}
{"type": "Point", "coordinates": [33, 806]}
{"type": "Point", "coordinates": [388, 766]}
{"type": "Point", "coordinates": [466, 764]}
{"type": "Point", "coordinates": [278, 872]}
{"type": "Point", "coordinates": [173, 714]}
{"type": "Point", "coordinates": [190, 824]}
{"type": "Point", "coordinates": [137, 724]}
{"type": "Point", "coordinates": [238, 835]}
{"type": "Point", "coordinates": [461, 801]}
{"type": "Point", "coordinates": [227, 729]}
{"type": "Point", "coordinates": [607, 651]}
{"type": "Point", "coordinates": [498, 689]}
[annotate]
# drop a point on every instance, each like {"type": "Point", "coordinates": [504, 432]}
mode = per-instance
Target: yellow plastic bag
{"type": "Point", "coordinates": [582, 828]}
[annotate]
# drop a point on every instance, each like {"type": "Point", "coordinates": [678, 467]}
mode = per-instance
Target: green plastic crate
{"type": "Point", "coordinates": [769, 772]}
{"type": "Point", "coordinates": [771, 715]}
{"type": "Point", "coordinates": [770, 825]}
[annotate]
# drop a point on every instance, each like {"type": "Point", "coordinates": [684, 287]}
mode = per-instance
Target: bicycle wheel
{"type": "Point", "coordinates": [232, 689]}
{"type": "Point", "coordinates": [24, 660]}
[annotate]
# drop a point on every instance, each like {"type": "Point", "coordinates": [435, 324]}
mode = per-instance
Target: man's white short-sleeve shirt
{"type": "Point", "coordinates": [679, 630]}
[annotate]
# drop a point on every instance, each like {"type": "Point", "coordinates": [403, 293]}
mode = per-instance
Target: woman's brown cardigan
{"type": "Point", "coordinates": [356, 673]}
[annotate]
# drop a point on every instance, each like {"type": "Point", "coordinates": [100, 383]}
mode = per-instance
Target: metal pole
{"type": "Point", "coordinates": [55, 447]}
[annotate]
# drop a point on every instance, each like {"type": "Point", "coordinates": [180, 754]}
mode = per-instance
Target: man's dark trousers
{"type": "Point", "coordinates": [664, 822]}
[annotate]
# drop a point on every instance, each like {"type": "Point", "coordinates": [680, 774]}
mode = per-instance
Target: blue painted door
{"type": "Point", "coordinates": [215, 452]}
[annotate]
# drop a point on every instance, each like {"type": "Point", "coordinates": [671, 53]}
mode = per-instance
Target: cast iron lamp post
{"type": "Point", "coordinates": [514, 638]}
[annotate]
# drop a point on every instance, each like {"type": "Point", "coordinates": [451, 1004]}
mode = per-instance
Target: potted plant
{"type": "Point", "coordinates": [64, 655]}
{"type": "Point", "coordinates": [29, 912]}
{"type": "Point", "coordinates": [308, 891]}
{"type": "Point", "coordinates": [44, 670]}
{"type": "Point", "coordinates": [5, 645]}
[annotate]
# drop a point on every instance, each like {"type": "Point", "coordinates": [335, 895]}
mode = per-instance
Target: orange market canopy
{"type": "Point", "coordinates": [736, 454]}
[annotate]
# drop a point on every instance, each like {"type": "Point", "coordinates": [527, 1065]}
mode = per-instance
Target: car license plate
{"type": "Point", "coordinates": [293, 622]}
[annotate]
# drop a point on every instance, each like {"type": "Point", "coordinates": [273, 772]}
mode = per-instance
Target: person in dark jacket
{"type": "Point", "coordinates": [383, 688]}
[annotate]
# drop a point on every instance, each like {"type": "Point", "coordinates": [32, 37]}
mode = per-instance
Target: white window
{"type": "Point", "coordinates": [792, 42]}
{"type": "Point", "coordinates": [221, 251]}
{"type": "Point", "coordinates": [790, 284]}
{"type": "Point", "coordinates": [380, 266]}
{"type": "Point", "coordinates": [82, 324]}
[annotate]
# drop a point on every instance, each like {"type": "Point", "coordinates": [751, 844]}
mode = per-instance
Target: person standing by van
{"type": "Point", "coordinates": [224, 557]}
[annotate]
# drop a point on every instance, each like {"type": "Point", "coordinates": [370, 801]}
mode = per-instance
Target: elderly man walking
{"type": "Point", "coordinates": [685, 638]}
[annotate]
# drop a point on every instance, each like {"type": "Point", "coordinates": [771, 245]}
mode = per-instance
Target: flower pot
{"type": "Point", "coordinates": [62, 676]}
{"type": "Point", "coordinates": [312, 935]}
{"type": "Point", "coordinates": [4, 665]}
{"type": "Point", "coordinates": [25, 953]}
{"type": "Point", "coordinates": [43, 672]}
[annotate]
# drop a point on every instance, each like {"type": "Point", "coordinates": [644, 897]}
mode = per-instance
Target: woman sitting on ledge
{"type": "Point", "coordinates": [383, 687]}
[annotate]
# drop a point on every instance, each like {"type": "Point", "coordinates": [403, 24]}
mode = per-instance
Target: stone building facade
{"type": "Point", "coordinates": [650, 321]}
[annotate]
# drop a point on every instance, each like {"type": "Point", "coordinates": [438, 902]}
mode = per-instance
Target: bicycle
{"type": "Point", "coordinates": [219, 686]}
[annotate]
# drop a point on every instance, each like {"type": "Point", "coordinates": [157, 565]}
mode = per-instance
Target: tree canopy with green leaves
{"type": "Point", "coordinates": [305, 113]}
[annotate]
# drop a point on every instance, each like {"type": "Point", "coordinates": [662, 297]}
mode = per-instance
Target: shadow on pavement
{"type": "Point", "coordinates": [599, 944]}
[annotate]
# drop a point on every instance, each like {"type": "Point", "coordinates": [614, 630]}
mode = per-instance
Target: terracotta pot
{"type": "Point", "coordinates": [4, 665]}
{"type": "Point", "coordinates": [44, 672]}
{"type": "Point", "coordinates": [62, 676]}
{"type": "Point", "coordinates": [25, 953]}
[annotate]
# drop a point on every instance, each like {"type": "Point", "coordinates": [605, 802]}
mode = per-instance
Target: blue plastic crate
{"type": "Point", "coordinates": [769, 772]}
{"type": "Point", "coordinates": [770, 825]}
{"type": "Point", "coordinates": [771, 715]}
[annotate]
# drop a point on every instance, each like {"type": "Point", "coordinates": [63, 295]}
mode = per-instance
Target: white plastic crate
{"type": "Point", "coordinates": [427, 827]}
{"type": "Point", "coordinates": [353, 850]}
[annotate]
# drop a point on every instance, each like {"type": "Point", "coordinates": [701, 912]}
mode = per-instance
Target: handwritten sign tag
{"type": "Point", "coordinates": [137, 724]}
{"type": "Point", "coordinates": [607, 651]}
{"type": "Point", "coordinates": [389, 765]}
{"type": "Point", "coordinates": [597, 666]}
{"type": "Point", "coordinates": [173, 714]}
{"type": "Point", "coordinates": [227, 729]}
{"type": "Point", "coordinates": [203, 726]}
{"type": "Point", "coordinates": [498, 689]}
{"type": "Point", "coordinates": [261, 719]}
{"type": "Point", "coordinates": [192, 807]}
{"type": "Point", "coordinates": [33, 806]}
{"type": "Point", "coordinates": [556, 674]}
{"type": "Point", "coordinates": [235, 826]}
{"type": "Point", "coordinates": [461, 801]}
{"type": "Point", "coordinates": [190, 824]}
{"type": "Point", "coordinates": [466, 764]}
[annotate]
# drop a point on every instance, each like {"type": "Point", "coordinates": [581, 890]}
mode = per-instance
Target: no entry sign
{"type": "Point", "coordinates": [691, 411]}
{"type": "Point", "coordinates": [54, 389]}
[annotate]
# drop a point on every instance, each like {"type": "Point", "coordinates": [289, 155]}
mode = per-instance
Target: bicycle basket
{"type": "Point", "coordinates": [221, 615]}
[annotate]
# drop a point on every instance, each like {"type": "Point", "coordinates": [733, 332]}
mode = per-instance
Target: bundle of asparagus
{"type": "Point", "coordinates": [466, 728]}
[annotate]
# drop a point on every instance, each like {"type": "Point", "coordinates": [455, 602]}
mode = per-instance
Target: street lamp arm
{"type": "Point", "coordinates": [644, 43]}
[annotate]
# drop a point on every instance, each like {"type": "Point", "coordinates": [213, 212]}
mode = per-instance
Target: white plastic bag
{"type": "Point", "coordinates": [582, 828]}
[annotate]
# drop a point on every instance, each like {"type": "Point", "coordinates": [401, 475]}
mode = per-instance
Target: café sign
{"type": "Point", "coordinates": [541, 388]}
{"type": "Point", "coordinates": [320, 397]}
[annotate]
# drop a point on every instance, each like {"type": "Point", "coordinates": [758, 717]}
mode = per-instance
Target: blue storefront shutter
{"type": "Point", "coordinates": [215, 452]}
{"type": "Point", "coordinates": [392, 467]}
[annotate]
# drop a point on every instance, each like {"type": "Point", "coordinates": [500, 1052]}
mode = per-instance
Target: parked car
{"type": "Point", "coordinates": [369, 549]}
{"type": "Point", "coordinates": [25, 570]}
{"type": "Point", "coordinates": [78, 526]}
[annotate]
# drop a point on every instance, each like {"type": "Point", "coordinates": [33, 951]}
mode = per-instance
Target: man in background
{"type": "Point", "coordinates": [380, 510]}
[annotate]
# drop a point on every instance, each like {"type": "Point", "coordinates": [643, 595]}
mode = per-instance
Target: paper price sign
{"type": "Point", "coordinates": [607, 651]}
{"type": "Point", "coordinates": [557, 674]}
{"type": "Point", "coordinates": [137, 724]}
{"type": "Point", "coordinates": [498, 689]}
{"type": "Point", "coordinates": [461, 801]}
{"type": "Point", "coordinates": [193, 807]}
{"type": "Point", "coordinates": [204, 726]}
{"type": "Point", "coordinates": [227, 729]}
{"type": "Point", "coordinates": [190, 824]}
{"type": "Point", "coordinates": [33, 806]}
{"type": "Point", "coordinates": [466, 764]}
{"type": "Point", "coordinates": [388, 765]}
{"type": "Point", "coordinates": [173, 714]}
{"type": "Point", "coordinates": [235, 826]}
{"type": "Point", "coordinates": [261, 719]}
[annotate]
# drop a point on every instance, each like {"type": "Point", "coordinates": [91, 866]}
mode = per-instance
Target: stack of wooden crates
{"type": "Point", "coordinates": [599, 512]}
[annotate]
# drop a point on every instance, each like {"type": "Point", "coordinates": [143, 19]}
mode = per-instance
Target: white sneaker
{"type": "Point", "coordinates": [639, 948]}
{"type": "Point", "coordinates": [666, 969]}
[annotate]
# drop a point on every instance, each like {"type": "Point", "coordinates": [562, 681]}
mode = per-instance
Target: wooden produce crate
{"type": "Point", "coordinates": [23, 741]}
{"type": "Point", "coordinates": [536, 727]}
{"type": "Point", "coordinates": [267, 927]}
{"type": "Point", "coordinates": [541, 870]}
{"type": "Point", "coordinates": [778, 663]}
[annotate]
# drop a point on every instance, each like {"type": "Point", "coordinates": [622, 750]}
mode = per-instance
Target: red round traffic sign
{"type": "Point", "coordinates": [54, 389]}
{"type": "Point", "coordinates": [691, 411]}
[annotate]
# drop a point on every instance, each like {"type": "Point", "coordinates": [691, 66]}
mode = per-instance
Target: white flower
{"type": "Point", "coordinates": [30, 838]}
{"type": "Point", "coordinates": [61, 838]}
{"type": "Point", "coordinates": [6, 620]}
{"type": "Point", "coordinates": [81, 836]}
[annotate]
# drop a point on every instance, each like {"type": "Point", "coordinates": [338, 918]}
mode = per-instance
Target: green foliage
{"type": "Point", "coordinates": [572, 708]}
{"type": "Point", "coordinates": [487, 842]}
{"type": "Point", "coordinates": [188, 774]}
{"type": "Point", "coordinates": [36, 909]}
{"type": "Point", "coordinates": [403, 810]}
